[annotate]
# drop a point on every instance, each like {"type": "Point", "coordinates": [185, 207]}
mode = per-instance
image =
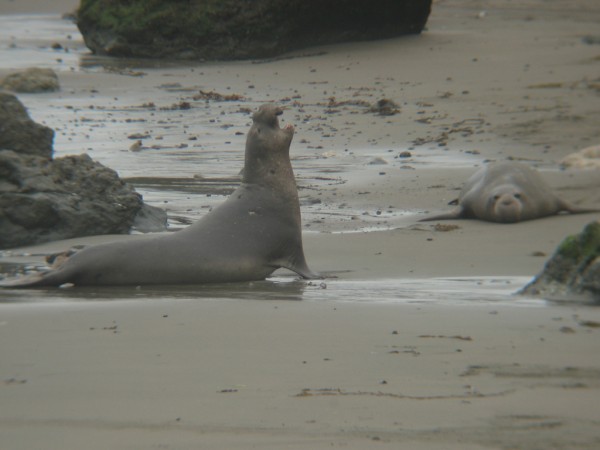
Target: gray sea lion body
{"type": "Point", "coordinates": [507, 192]}
{"type": "Point", "coordinates": [254, 232]}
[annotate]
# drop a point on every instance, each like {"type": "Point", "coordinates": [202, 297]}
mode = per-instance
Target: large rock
{"type": "Point", "coordinates": [238, 29]}
{"type": "Point", "coordinates": [21, 134]}
{"type": "Point", "coordinates": [573, 272]}
{"type": "Point", "coordinates": [43, 199]}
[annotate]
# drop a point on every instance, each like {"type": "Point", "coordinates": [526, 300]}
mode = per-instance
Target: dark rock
{"type": "Point", "coordinates": [385, 107]}
{"type": "Point", "coordinates": [31, 81]}
{"type": "Point", "coordinates": [19, 133]}
{"type": "Point", "coordinates": [573, 272]}
{"type": "Point", "coordinates": [150, 219]}
{"type": "Point", "coordinates": [43, 199]}
{"type": "Point", "coordinates": [238, 29]}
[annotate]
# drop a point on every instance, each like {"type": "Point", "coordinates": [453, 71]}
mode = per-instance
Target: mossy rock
{"type": "Point", "coordinates": [573, 272]}
{"type": "Point", "coordinates": [239, 29]}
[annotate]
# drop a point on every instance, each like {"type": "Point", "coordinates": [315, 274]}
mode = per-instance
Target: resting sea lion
{"type": "Point", "coordinates": [507, 192]}
{"type": "Point", "coordinates": [255, 231]}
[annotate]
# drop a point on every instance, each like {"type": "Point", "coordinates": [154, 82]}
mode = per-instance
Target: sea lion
{"type": "Point", "coordinates": [507, 192]}
{"type": "Point", "coordinates": [254, 232]}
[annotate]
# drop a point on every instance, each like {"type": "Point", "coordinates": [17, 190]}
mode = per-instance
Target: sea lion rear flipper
{"type": "Point", "coordinates": [457, 213]}
{"type": "Point", "coordinates": [301, 268]}
{"type": "Point", "coordinates": [31, 280]}
{"type": "Point", "coordinates": [569, 207]}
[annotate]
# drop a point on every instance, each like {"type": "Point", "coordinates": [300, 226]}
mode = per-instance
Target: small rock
{"type": "Point", "coordinates": [385, 107]}
{"type": "Point", "coordinates": [377, 161]}
{"type": "Point", "coordinates": [32, 80]}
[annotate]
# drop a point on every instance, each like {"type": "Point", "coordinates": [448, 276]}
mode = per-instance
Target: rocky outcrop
{"type": "Point", "coordinates": [573, 272]}
{"type": "Point", "coordinates": [238, 29]}
{"type": "Point", "coordinates": [44, 199]}
{"type": "Point", "coordinates": [31, 81]}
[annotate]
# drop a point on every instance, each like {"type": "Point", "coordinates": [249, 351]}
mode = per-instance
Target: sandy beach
{"type": "Point", "coordinates": [414, 341]}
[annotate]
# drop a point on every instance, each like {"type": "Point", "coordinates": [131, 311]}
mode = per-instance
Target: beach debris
{"type": "Point", "coordinates": [445, 227]}
{"type": "Point", "coordinates": [136, 146]}
{"type": "Point", "coordinates": [217, 97]}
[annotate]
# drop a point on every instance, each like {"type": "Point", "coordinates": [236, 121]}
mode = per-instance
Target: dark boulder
{"type": "Point", "coordinates": [240, 29]}
{"type": "Point", "coordinates": [573, 272]}
{"type": "Point", "coordinates": [42, 199]}
{"type": "Point", "coordinates": [21, 134]}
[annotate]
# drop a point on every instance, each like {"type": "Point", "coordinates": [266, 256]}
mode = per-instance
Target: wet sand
{"type": "Point", "coordinates": [250, 367]}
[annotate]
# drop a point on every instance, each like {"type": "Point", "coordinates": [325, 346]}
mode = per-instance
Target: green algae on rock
{"type": "Point", "coordinates": [238, 29]}
{"type": "Point", "coordinates": [573, 272]}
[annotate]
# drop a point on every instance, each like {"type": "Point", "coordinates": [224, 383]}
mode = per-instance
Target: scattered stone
{"type": "Point", "coordinates": [377, 162]}
{"type": "Point", "coordinates": [405, 154]}
{"type": "Point", "coordinates": [136, 146]}
{"type": "Point", "coordinates": [32, 80]}
{"type": "Point", "coordinates": [385, 107]}
{"type": "Point", "coordinates": [591, 40]}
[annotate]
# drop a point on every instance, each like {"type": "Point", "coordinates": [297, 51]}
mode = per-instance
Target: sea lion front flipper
{"type": "Point", "coordinates": [457, 213]}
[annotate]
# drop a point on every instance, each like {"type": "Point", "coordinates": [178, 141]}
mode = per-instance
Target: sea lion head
{"type": "Point", "coordinates": [268, 146]}
{"type": "Point", "coordinates": [506, 204]}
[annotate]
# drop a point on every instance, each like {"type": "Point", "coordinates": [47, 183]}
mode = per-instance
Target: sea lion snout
{"type": "Point", "coordinates": [508, 207]}
{"type": "Point", "coordinates": [267, 115]}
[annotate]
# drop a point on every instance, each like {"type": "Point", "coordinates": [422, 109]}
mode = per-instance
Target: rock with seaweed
{"type": "Point", "coordinates": [573, 272]}
{"type": "Point", "coordinates": [238, 29]}
{"type": "Point", "coordinates": [44, 199]}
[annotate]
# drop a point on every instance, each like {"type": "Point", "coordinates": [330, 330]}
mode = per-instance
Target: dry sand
{"type": "Point", "coordinates": [490, 80]}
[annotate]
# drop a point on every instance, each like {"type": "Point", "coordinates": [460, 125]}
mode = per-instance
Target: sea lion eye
{"type": "Point", "coordinates": [517, 196]}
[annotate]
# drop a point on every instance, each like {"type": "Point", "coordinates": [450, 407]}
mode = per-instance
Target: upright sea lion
{"type": "Point", "coordinates": [507, 192]}
{"type": "Point", "coordinates": [254, 232]}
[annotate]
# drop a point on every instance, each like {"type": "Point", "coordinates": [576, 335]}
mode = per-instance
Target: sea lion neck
{"type": "Point", "coordinates": [267, 159]}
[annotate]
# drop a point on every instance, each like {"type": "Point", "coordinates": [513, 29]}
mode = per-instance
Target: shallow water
{"type": "Point", "coordinates": [449, 291]}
